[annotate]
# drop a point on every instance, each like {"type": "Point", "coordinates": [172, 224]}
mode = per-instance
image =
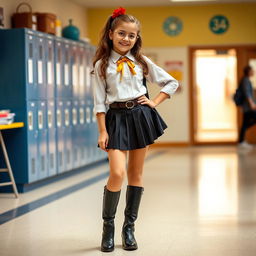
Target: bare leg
{"type": "Point", "coordinates": [135, 166]}
{"type": "Point", "coordinates": [133, 196]}
{"type": "Point", "coordinates": [117, 164]}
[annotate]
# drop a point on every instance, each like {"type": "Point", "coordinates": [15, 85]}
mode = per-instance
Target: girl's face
{"type": "Point", "coordinates": [124, 36]}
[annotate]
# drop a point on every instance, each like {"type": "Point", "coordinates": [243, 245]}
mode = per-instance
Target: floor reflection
{"type": "Point", "coordinates": [217, 185]}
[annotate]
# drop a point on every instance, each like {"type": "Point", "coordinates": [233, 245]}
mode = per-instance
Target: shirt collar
{"type": "Point", "coordinates": [116, 56]}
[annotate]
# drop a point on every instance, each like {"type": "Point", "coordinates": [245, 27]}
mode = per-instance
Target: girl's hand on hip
{"type": "Point", "coordinates": [103, 140]}
{"type": "Point", "coordinates": [144, 100]}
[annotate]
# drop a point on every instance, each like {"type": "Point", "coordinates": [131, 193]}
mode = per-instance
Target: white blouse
{"type": "Point", "coordinates": [131, 86]}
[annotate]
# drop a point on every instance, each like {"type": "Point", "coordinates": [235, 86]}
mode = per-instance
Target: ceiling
{"type": "Point", "coordinates": [127, 3]}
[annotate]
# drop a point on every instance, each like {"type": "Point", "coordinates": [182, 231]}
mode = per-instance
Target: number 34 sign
{"type": "Point", "coordinates": [219, 24]}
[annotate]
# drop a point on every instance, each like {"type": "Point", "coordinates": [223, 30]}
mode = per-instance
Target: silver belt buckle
{"type": "Point", "coordinates": [129, 101]}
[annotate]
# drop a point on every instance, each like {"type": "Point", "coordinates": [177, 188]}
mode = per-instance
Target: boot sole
{"type": "Point", "coordinates": [107, 250]}
{"type": "Point", "coordinates": [130, 249]}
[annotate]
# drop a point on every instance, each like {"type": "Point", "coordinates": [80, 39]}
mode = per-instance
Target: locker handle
{"type": "Point", "coordinates": [66, 117]}
{"type": "Point", "coordinates": [40, 119]}
{"type": "Point", "coordinates": [74, 114]}
{"type": "Point", "coordinates": [81, 111]}
{"type": "Point", "coordinates": [58, 118]}
{"type": "Point", "coordinates": [50, 119]}
{"type": "Point", "coordinates": [30, 120]}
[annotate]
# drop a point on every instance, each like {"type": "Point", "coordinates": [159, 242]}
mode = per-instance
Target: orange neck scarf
{"type": "Point", "coordinates": [120, 66]}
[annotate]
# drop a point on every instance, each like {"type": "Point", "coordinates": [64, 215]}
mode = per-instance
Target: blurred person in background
{"type": "Point", "coordinates": [248, 107]}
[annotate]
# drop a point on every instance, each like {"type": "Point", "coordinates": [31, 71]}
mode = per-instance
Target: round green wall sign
{"type": "Point", "coordinates": [219, 24]}
{"type": "Point", "coordinates": [172, 26]}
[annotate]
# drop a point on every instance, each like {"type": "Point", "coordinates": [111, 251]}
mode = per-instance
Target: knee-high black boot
{"type": "Point", "coordinates": [133, 198]}
{"type": "Point", "coordinates": [110, 202]}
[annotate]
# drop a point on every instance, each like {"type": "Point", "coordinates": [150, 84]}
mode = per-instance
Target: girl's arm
{"type": "Point", "coordinates": [99, 90]}
{"type": "Point", "coordinates": [101, 122]}
{"type": "Point", "coordinates": [163, 79]}
{"type": "Point", "coordinates": [100, 108]}
{"type": "Point", "coordinates": [160, 98]}
{"type": "Point", "coordinates": [156, 101]}
{"type": "Point", "coordinates": [103, 135]}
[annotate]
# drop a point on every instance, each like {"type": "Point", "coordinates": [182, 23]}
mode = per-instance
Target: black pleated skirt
{"type": "Point", "coordinates": [134, 128]}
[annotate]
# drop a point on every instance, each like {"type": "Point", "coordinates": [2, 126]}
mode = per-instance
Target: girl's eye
{"type": "Point", "coordinates": [121, 33]}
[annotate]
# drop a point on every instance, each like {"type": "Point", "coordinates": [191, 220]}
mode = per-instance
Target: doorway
{"type": "Point", "coordinates": [215, 80]}
{"type": "Point", "coordinates": [215, 72]}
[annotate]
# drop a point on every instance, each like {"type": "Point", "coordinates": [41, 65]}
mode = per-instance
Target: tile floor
{"type": "Point", "coordinates": [198, 201]}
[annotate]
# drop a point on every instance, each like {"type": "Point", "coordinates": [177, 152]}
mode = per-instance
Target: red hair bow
{"type": "Point", "coordinates": [117, 12]}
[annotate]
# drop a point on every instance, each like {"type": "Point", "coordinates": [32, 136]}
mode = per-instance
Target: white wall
{"type": "Point", "coordinates": [175, 111]}
{"type": "Point", "coordinates": [64, 9]}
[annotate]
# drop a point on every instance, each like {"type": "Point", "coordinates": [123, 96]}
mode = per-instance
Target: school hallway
{"type": "Point", "coordinates": [197, 201]}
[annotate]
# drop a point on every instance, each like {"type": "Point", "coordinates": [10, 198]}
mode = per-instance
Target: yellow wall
{"type": "Point", "coordinates": [195, 19]}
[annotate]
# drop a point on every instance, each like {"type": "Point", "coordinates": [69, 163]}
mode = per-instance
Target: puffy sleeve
{"type": "Point", "coordinates": [99, 90]}
{"type": "Point", "coordinates": [159, 76]}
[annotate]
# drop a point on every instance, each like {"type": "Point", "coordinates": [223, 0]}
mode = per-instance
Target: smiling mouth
{"type": "Point", "coordinates": [124, 44]}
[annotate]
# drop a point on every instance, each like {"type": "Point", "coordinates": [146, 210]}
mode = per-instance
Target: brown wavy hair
{"type": "Point", "coordinates": [105, 44]}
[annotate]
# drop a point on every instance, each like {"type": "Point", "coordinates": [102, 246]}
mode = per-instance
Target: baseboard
{"type": "Point", "coordinates": [170, 144]}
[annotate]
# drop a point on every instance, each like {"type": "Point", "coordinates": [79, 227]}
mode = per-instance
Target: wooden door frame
{"type": "Point", "coordinates": [241, 62]}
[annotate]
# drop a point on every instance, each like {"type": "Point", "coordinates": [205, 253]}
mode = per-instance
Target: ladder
{"type": "Point", "coordinates": [8, 169]}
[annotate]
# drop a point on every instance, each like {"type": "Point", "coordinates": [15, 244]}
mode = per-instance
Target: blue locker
{"type": "Point", "coordinates": [42, 139]}
{"type": "Point", "coordinates": [32, 132]}
{"type": "Point", "coordinates": [82, 68]}
{"type": "Point", "coordinates": [88, 97]}
{"type": "Point", "coordinates": [66, 51]}
{"type": "Point", "coordinates": [47, 70]}
{"type": "Point", "coordinates": [59, 81]}
{"type": "Point", "coordinates": [95, 149]}
{"type": "Point", "coordinates": [67, 136]}
{"type": "Point", "coordinates": [88, 87]}
{"type": "Point", "coordinates": [94, 136]}
{"type": "Point", "coordinates": [41, 67]}
{"type": "Point", "coordinates": [51, 140]}
{"type": "Point", "coordinates": [60, 136]}
{"type": "Point", "coordinates": [88, 133]}
{"type": "Point", "coordinates": [30, 53]}
{"type": "Point", "coordinates": [86, 139]}
{"type": "Point", "coordinates": [82, 134]}
{"type": "Point", "coordinates": [50, 79]}
{"type": "Point", "coordinates": [75, 134]}
{"type": "Point", "coordinates": [75, 71]}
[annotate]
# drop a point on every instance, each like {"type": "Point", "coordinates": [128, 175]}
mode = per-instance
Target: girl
{"type": "Point", "coordinates": [127, 118]}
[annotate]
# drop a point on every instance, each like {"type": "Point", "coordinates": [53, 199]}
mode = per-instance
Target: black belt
{"type": "Point", "coordinates": [126, 104]}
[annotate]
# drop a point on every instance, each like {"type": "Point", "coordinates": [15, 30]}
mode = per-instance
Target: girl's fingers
{"type": "Point", "coordinates": [142, 98]}
{"type": "Point", "coordinates": [102, 145]}
{"type": "Point", "coordinates": [146, 101]}
{"type": "Point", "coordinates": [106, 144]}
